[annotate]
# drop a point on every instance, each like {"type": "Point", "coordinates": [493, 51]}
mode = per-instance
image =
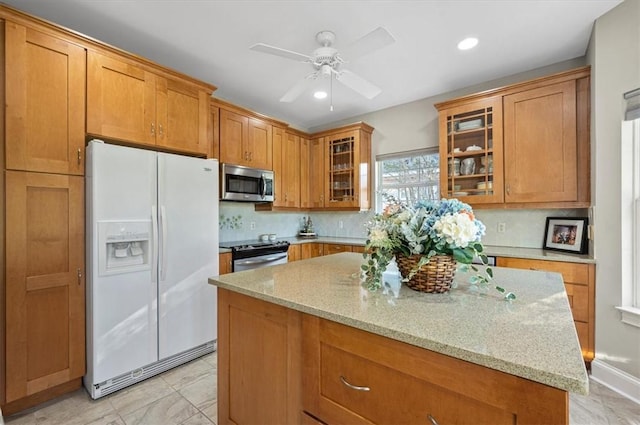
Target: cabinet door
{"type": "Point", "coordinates": [224, 263]}
{"type": "Point", "coordinates": [471, 152]}
{"type": "Point", "coordinates": [45, 95]}
{"type": "Point", "coordinates": [233, 135]}
{"type": "Point", "coordinates": [259, 361]}
{"type": "Point", "coordinates": [260, 144]}
{"type": "Point", "coordinates": [121, 99]}
{"type": "Point", "coordinates": [279, 171]}
{"type": "Point", "coordinates": [310, 250]}
{"type": "Point", "coordinates": [295, 252]}
{"type": "Point", "coordinates": [182, 114]}
{"type": "Point", "coordinates": [342, 172]}
{"type": "Point", "coordinates": [332, 248]}
{"type": "Point", "coordinates": [312, 175]}
{"type": "Point", "coordinates": [540, 147]}
{"type": "Point", "coordinates": [45, 321]}
{"type": "Point", "coordinates": [291, 166]}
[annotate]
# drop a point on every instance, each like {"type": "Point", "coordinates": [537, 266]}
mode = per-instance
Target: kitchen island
{"type": "Point", "coordinates": [305, 343]}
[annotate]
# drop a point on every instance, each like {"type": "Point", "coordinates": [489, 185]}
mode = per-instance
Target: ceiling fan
{"type": "Point", "coordinates": [327, 61]}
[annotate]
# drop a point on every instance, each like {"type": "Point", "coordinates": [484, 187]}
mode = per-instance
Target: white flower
{"type": "Point", "coordinates": [457, 229]}
{"type": "Point", "coordinates": [378, 236]}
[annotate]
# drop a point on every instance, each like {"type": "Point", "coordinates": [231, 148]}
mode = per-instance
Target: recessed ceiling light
{"type": "Point", "coordinates": [468, 43]}
{"type": "Point", "coordinates": [320, 94]}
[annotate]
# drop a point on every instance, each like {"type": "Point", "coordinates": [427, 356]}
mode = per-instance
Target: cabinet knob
{"type": "Point", "coordinates": [160, 131]}
{"type": "Point", "coordinates": [79, 156]}
{"type": "Point", "coordinates": [153, 129]}
{"type": "Point", "coordinates": [432, 419]}
{"type": "Point", "coordinates": [79, 276]}
{"type": "Point", "coordinates": [353, 387]}
{"type": "Point", "coordinates": [508, 189]}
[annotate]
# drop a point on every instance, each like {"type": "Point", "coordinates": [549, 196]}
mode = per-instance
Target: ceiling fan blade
{"type": "Point", "coordinates": [375, 40]}
{"type": "Point", "coordinates": [277, 51]}
{"type": "Point", "coordinates": [299, 87]}
{"type": "Point", "coordinates": [358, 84]}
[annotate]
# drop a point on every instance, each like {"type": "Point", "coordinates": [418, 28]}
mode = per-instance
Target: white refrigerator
{"type": "Point", "coordinates": [152, 243]}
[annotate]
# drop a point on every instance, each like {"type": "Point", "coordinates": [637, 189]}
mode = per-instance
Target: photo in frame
{"type": "Point", "coordinates": [568, 234]}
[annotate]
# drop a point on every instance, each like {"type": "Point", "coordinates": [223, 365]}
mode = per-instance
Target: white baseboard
{"type": "Point", "coordinates": [616, 379]}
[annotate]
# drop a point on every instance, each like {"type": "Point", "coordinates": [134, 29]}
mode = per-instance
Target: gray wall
{"type": "Point", "coordinates": [614, 53]}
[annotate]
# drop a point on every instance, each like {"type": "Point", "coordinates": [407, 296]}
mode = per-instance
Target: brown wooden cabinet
{"type": "Point", "coordinates": [286, 167]}
{"type": "Point", "coordinates": [44, 284]}
{"type": "Point", "coordinates": [224, 263]}
{"type": "Point", "coordinates": [312, 179]}
{"type": "Point", "coordinates": [343, 156]}
{"type": "Point", "coordinates": [245, 140]}
{"type": "Point", "coordinates": [45, 101]}
{"type": "Point", "coordinates": [130, 102]}
{"type": "Point", "coordinates": [259, 361]}
{"type": "Point", "coordinates": [520, 146]}
{"type": "Point", "coordinates": [310, 250]}
{"type": "Point", "coordinates": [579, 282]}
{"type": "Point", "coordinates": [335, 248]}
{"type": "Point", "coordinates": [356, 377]}
{"type": "Point", "coordinates": [295, 252]}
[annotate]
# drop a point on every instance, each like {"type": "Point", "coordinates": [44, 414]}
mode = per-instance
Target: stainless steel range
{"type": "Point", "coordinates": [248, 255]}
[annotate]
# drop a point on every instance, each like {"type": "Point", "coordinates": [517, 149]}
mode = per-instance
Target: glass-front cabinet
{"type": "Point", "coordinates": [471, 152]}
{"type": "Point", "coordinates": [342, 162]}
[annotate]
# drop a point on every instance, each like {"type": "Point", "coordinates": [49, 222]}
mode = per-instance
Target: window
{"type": "Point", "coordinates": [408, 176]}
{"type": "Point", "coordinates": [630, 197]}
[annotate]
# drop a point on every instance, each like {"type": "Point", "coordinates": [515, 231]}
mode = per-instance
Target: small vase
{"type": "Point", "coordinates": [436, 276]}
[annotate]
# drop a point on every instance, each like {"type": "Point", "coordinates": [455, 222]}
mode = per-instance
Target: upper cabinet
{"type": "Point", "coordinates": [131, 102]}
{"type": "Point", "coordinates": [343, 157]}
{"type": "Point", "coordinates": [312, 179]}
{"type": "Point", "coordinates": [286, 166]}
{"type": "Point", "coordinates": [45, 101]}
{"type": "Point", "coordinates": [521, 146]}
{"type": "Point", "coordinates": [245, 140]}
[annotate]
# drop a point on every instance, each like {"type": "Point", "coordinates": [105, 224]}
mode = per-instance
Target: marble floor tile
{"type": "Point", "coordinates": [76, 408]}
{"type": "Point", "coordinates": [198, 419]}
{"type": "Point", "coordinates": [202, 393]}
{"type": "Point", "coordinates": [139, 395]}
{"type": "Point", "coordinates": [172, 409]}
{"type": "Point", "coordinates": [180, 377]}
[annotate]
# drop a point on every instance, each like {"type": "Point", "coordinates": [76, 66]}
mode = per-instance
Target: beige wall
{"type": "Point", "coordinates": [614, 53]}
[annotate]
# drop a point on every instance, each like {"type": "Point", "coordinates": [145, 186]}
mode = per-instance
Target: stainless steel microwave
{"type": "Point", "coordinates": [238, 183]}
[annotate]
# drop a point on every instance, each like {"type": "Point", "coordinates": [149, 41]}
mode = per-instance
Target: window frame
{"type": "Point", "coordinates": [400, 155]}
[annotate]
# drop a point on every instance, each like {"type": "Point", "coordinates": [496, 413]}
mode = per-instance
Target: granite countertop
{"type": "Point", "coordinates": [496, 251]}
{"type": "Point", "coordinates": [533, 337]}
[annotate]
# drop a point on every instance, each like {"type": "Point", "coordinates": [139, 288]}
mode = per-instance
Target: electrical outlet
{"type": "Point", "coordinates": [340, 224]}
{"type": "Point", "coordinates": [502, 227]}
{"type": "Point", "coordinates": [252, 225]}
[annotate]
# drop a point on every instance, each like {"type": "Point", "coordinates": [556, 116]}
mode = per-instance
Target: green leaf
{"type": "Point", "coordinates": [489, 272]}
{"type": "Point", "coordinates": [510, 296]}
{"type": "Point", "coordinates": [500, 289]}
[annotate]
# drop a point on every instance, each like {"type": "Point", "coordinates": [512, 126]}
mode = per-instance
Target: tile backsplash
{"type": "Point", "coordinates": [522, 228]}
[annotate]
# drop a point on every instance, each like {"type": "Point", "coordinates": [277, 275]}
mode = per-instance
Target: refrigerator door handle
{"type": "Point", "coordinates": [154, 255]}
{"type": "Point", "coordinates": [163, 244]}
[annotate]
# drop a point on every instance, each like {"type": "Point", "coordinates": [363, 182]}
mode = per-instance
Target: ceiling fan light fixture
{"type": "Point", "coordinates": [320, 94]}
{"type": "Point", "coordinates": [468, 43]}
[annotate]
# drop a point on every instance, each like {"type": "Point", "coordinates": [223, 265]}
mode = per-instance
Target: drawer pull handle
{"type": "Point", "coordinates": [432, 419]}
{"type": "Point", "coordinates": [353, 387]}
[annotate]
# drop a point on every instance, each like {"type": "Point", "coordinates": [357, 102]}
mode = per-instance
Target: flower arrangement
{"type": "Point", "coordinates": [428, 228]}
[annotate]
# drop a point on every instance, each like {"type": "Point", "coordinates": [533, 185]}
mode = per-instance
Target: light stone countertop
{"type": "Point", "coordinates": [533, 337]}
{"type": "Point", "coordinates": [496, 251]}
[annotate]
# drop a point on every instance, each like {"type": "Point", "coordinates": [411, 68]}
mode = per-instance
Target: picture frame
{"type": "Point", "coordinates": [567, 234]}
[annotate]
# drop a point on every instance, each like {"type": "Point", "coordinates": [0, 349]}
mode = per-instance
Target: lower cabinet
{"type": "Point", "coordinates": [225, 263]}
{"type": "Point", "coordinates": [259, 362]}
{"type": "Point", "coordinates": [44, 288]}
{"type": "Point", "coordinates": [310, 250]}
{"type": "Point", "coordinates": [280, 366]}
{"type": "Point", "coordinates": [295, 252]}
{"type": "Point", "coordinates": [579, 282]}
{"type": "Point", "coordinates": [352, 376]}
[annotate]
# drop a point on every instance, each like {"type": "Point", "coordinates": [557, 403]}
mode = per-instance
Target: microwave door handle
{"type": "Point", "coordinates": [263, 186]}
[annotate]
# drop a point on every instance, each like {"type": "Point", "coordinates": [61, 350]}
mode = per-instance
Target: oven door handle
{"type": "Point", "coordinates": [260, 261]}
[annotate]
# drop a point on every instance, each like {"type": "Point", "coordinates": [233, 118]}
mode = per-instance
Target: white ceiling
{"type": "Point", "coordinates": [210, 40]}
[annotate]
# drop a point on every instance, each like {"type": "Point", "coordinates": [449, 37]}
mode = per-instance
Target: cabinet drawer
{"type": "Point", "coordinates": [578, 296]}
{"type": "Point", "coordinates": [413, 400]}
{"type": "Point", "coordinates": [336, 248]}
{"type": "Point", "coordinates": [571, 272]}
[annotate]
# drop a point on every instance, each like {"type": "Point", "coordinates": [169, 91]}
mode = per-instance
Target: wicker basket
{"type": "Point", "coordinates": [435, 276]}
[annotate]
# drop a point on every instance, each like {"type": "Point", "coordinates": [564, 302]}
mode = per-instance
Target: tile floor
{"type": "Point", "coordinates": [187, 396]}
